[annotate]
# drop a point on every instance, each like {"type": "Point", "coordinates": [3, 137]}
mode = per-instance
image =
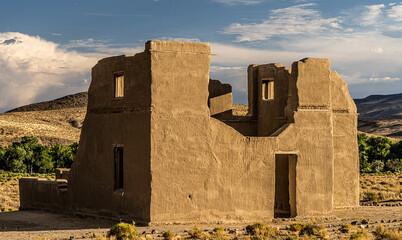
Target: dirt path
{"type": "Point", "coordinates": [37, 224]}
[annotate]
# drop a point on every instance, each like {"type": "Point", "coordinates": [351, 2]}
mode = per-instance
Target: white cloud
{"type": "Point", "coordinates": [372, 14]}
{"type": "Point", "coordinates": [384, 79]}
{"type": "Point", "coordinates": [395, 12]}
{"type": "Point", "coordinates": [101, 47]}
{"type": "Point", "coordinates": [290, 21]}
{"type": "Point", "coordinates": [360, 55]}
{"type": "Point", "coordinates": [34, 69]}
{"type": "Point", "coordinates": [180, 39]}
{"type": "Point", "coordinates": [235, 2]}
{"type": "Point", "coordinates": [31, 68]}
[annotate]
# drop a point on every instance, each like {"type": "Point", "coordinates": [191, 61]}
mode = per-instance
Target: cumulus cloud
{"type": "Point", "coordinates": [395, 12]}
{"type": "Point", "coordinates": [369, 54]}
{"type": "Point", "coordinates": [290, 21]}
{"type": "Point", "coordinates": [372, 14]}
{"type": "Point", "coordinates": [31, 67]}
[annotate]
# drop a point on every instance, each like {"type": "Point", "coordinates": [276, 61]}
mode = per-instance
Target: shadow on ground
{"type": "Point", "coordinates": [32, 220]}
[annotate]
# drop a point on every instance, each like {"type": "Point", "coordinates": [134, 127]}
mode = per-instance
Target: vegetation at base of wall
{"type": "Point", "coordinates": [309, 230]}
{"type": "Point", "coordinates": [196, 233]}
{"type": "Point", "coordinates": [29, 156]}
{"type": "Point", "coordinates": [168, 235]}
{"type": "Point", "coordinates": [379, 154]}
{"type": "Point", "coordinates": [123, 231]}
{"type": "Point", "coordinates": [345, 228]}
{"type": "Point", "coordinates": [392, 234]}
{"type": "Point", "coordinates": [261, 231]}
{"type": "Point", "coordinates": [359, 235]}
{"type": "Point", "coordinates": [6, 176]}
{"type": "Point", "coordinates": [9, 209]}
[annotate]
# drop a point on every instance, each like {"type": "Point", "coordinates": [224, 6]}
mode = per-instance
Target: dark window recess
{"type": "Point", "coordinates": [118, 168]}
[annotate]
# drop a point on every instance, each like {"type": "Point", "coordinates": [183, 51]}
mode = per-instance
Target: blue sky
{"type": "Point", "coordinates": [47, 47]}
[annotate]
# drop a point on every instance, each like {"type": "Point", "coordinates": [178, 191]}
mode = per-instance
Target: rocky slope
{"type": "Point", "coordinates": [71, 101]}
{"type": "Point", "coordinates": [381, 115]}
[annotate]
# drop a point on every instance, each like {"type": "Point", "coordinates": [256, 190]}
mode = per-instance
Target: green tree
{"type": "Point", "coordinates": [62, 156]}
{"type": "Point", "coordinates": [74, 148]}
{"type": "Point", "coordinates": [43, 160]}
{"type": "Point", "coordinates": [365, 165]}
{"type": "Point", "coordinates": [378, 148]}
{"type": "Point", "coordinates": [396, 150]}
{"type": "Point", "coordinates": [2, 158]}
{"type": "Point", "coordinates": [29, 144]}
{"type": "Point", "coordinates": [14, 159]}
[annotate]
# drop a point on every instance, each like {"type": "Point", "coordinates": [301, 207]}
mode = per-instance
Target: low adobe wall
{"type": "Point", "coordinates": [39, 193]}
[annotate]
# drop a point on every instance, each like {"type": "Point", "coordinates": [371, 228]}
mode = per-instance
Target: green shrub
{"type": "Point", "coordinates": [196, 233]}
{"type": "Point", "coordinates": [168, 235]}
{"type": "Point", "coordinates": [296, 227]}
{"type": "Point", "coordinates": [359, 235]}
{"type": "Point", "coordinates": [311, 229]}
{"type": "Point", "coordinates": [122, 231]}
{"type": "Point", "coordinates": [370, 196]}
{"type": "Point", "coordinates": [391, 234]}
{"type": "Point", "coordinates": [345, 228]}
{"type": "Point", "coordinates": [255, 228]}
{"type": "Point", "coordinates": [261, 231]}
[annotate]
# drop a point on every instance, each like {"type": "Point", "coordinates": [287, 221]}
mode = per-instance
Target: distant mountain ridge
{"type": "Point", "coordinates": [379, 114]}
{"type": "Point", "coordinates": [373, 107]}
{"type": "Point", "coordinates": [69, 101]}
{"type": "Point", "coordinates": [380, 107]}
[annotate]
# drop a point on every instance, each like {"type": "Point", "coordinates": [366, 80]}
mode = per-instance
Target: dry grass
{"type": "Point", "coordinates": [385, 187]}
{"type": "Point", "coordinates": [9, 195]}
{"type": "Point", "coordinates": [50, 127]}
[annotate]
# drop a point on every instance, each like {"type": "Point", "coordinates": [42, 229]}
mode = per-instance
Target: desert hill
{"type": "Point", "coordinates": [60, 120]}
{"type": "Point", "coordinates": [380, 107]}
{"type": "Point", "coordinates": [70, 101]}
{"type": "Point", "coordinates": [381, 115]}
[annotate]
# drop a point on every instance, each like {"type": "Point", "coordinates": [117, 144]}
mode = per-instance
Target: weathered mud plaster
{"type": "Point", "coordinates": [160, 144]}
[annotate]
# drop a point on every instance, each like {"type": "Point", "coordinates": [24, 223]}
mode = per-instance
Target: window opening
{"type": "Point", "coordinates": [267, 88]}
{"type": "Point", "coordinates": [118, 168]}
{"type": "Point", "coordinates": [118, 85]}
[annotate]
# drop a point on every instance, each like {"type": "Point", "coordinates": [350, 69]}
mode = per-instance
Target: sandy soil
{"type": "Point", "coordinates": [37, 224]}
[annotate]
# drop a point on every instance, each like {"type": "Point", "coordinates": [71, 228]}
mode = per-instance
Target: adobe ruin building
{"type": "Point", "coordinates": [160, 144]}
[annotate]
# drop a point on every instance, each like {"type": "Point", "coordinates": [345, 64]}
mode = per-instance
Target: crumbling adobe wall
{"type": "Point", "coordinates": [115, 122]}
{"type": "Point", "coordinates": [346, 158]}
{"type": "Point", "coordinates": [182, 165]}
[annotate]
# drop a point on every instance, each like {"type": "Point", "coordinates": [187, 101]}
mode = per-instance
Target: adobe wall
{"type": "Point", "coordinates": [182, 165]}
{"type": "Point", "coordinates": [205, 170]}
{"type": "Point", "coordinates": [270, 112]}
{"type": "Point", "coordinates": [346, 158]}
{"type": "Point", "coordinates": [38, 193]}
{"type": "Point", "coordinates": [109, 123]}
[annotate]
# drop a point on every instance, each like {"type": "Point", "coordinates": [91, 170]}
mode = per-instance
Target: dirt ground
{"type": "Point", "coordinates": [41, 225]}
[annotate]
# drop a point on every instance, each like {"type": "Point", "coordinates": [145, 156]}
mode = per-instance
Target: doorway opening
{"type": "Point", "coordinates": [285, 185]}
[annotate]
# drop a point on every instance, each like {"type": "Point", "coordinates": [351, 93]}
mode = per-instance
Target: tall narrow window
{"type": "Point", "coordinates": [119, 85]}
{"type": "Point", "coordinates": [118, 168]}
{"type": "Point", "coordinates": [267, 88]}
